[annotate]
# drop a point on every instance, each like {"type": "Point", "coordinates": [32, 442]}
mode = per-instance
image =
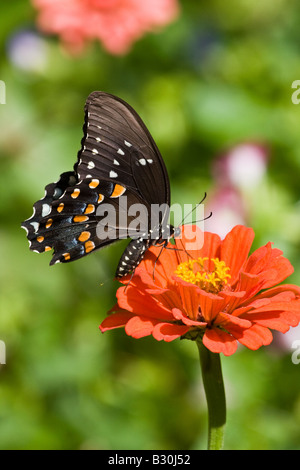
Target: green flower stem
{"type": "Point", "coordinates": [215, 396]}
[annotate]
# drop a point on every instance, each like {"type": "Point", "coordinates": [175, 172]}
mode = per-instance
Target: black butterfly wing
{"type": "Point", "coordinates": [118, 156]}
{"type": "Point", "coordinates": [76, 219]}
{"type": "Point", "coordinates": [118, 147]}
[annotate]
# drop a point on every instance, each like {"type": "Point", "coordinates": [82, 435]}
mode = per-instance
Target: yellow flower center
{"type": "Point", "coordinates": [210, 274]}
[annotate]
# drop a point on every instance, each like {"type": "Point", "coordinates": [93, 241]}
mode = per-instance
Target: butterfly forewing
{"type": "Point", "coordinates": [118, 147]}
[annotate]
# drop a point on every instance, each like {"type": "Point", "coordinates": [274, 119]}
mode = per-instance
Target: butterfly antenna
{"type": "Point", "coordinates": [208, 216]}
{"type": "Point", "coordinates": [189, 213]}
{"type": "Point", "coordinates": [205, 218]}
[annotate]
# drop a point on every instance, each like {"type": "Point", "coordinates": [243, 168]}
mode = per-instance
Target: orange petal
{"type": "Point", "coordinates": [189, 294]}
{"type": "Point", "coordinates": [276, 315]}
{"type": "Point", "coordinates": [136, 301]}
{"type": "Point", "coordinates": [250, 283]}
{"type": "Point", "coordinates": [116, 320]}
{"type": "Point", "coordinates": [138, 327]}
{"type": "Point", "coordinates": [280, 321]}
{"type": "Point", "coordinates": [269, 263]}
{"type": "Point", "coordinates": [259, 259]}
{"type": "Point", "coordinates": [179, 315]}
{"type": "Point", "coordinates": [212, 245]}
{"type": "Point", "coordinates": [163, 267]}
{"type": "Point", "coordinates": [292, 306]}
{"type": "Point", "coordinates": [148, 282]}
{"type": "Point", "coordinates": [210, 305]}
{"type": "Point", "coordinates": [254, 337]}
{"type": "Point", "coordinates": [280, 270]}
{"type": "Point", "coordinates": [283, 288]}
{"type": "Point", "coordinates": [235, 249]}
{"type": "Point", "coordinates": [227, 320]}
{"type": "Point", "coordinates": [168, 331]}
{"type": "Point", "coordinates": [164, 297]}
{"type": "Point", "coordinates": [232, 299]}
{"type": "Point", "coordinates": [218, 341]}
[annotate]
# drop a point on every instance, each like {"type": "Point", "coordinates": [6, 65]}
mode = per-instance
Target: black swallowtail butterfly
{"type": "Point", "coordinates": [118, 157]}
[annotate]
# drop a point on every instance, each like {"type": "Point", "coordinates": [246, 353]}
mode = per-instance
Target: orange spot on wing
{"type": "Point", "coordinates": [80, 218]}
{"type": "Point", "coordinates": [67, 256]}
{"type": "Point", "coordinates": [89, 209]}
{"type": "Point", "coordinates": [118, 191]}
{"type": "Point", "coordinates": [49, 223]}
{"type": "Point", "coordinates": [94, 183]}
{"type": "Point", "coordinates": [84, 236]}
{"type": "Point", "coordinates": [48, 248]}
{"type": "Point", "coordinates": [75, 193]}
{"type": "Point", "coordinates": [60, 207]}
{"type": "Point", "coordinates": [89, 246]}
{"type": "Point", "coordinates": [40, 239]}
{"type": "Point", "coordinates": [100, 198]}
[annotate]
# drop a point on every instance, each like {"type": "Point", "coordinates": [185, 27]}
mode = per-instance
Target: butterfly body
{"type": "Point", "coordinates": [136, 249]}
{"type": "Point", "coordinates": [118, 167]}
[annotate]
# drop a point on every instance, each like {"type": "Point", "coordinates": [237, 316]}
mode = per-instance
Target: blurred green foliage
{"type": "Point", "coordinates": [218, 76]}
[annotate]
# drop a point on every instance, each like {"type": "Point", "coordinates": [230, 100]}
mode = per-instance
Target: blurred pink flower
{"type": "Point", "coordinates": [243, 166]}
{"type": "Point", "coordinates": [235, 172]}
{"type": "Point", "coordinates": [228, 209]}
{"type": "Point", "coordinates": [116, 23]}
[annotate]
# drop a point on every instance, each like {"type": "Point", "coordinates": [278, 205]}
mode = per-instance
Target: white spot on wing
{"type": "Point", "coordinates": [91, 165]}
{"type": "Point", "coordinates": [116, 162]}
{"type": "Point", "coordinates": [149, 160]}
{"type": "Point", "coordinates": [120, 151]}
{"type": "Point", "coordinates": [142, 161]}
{"type": "Point", "coordinates": [127, 143]}
{"type": "Point", "coordinates": [113, 174]}
{"type": "Point", "coordinates": [46, 209]}
{"type": "Point", "coordinates": [95, 151]}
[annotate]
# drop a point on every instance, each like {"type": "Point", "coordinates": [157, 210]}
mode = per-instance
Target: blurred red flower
{"type": "Point", "coordinates": [219, 292]}
{"type": "Point", "coordinates": [116, 23]}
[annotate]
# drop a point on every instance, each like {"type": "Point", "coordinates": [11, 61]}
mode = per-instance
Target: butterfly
{"type": "Point", "coordinates": [118, 158]}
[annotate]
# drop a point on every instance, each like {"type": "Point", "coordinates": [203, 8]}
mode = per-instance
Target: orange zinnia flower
{"type": "Point", "coordinates": [218, 292]}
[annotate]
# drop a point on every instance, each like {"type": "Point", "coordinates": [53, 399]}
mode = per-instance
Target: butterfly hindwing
{"type": "Point", "coordinates": [75, 224]}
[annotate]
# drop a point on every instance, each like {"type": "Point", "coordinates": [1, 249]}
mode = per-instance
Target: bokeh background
{"type": "Point", "coordinates": [214, 86]}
